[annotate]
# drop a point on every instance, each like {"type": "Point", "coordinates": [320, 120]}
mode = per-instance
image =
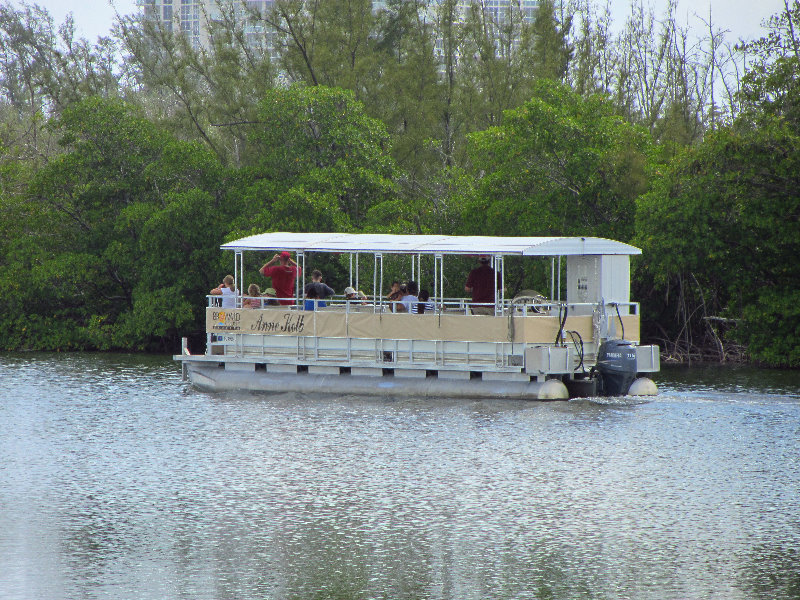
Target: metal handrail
{"type": "Point", "coordinates": [446, 306]}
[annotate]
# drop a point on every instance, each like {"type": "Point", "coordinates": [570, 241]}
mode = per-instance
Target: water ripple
{"type": "Point", "coordinates": [117, 481]}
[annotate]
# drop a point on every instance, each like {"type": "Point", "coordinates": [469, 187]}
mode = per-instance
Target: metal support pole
{"type": "Point", "coordinates": [435, 280]}
{"type": "Point", "coordinates": [238, 276]}
{"type": "Point", "coordinates": [498, 307]}
{"type": "Point", "coordinates": [440, 287]}
{"type": "Point", "coordinates": [375, 281]}
{"type": "Point", "coordinates": [298, 282]}
{"type": "Point", "coordinates": [379, 257]}
{"type": "Point", "coordinates": [559, 279]}
{"type": "Point", "coordinates": [441, 276]}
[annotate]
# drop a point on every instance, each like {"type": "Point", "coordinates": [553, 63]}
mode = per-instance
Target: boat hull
{"type": "Point", "coordinates": [218, 378]}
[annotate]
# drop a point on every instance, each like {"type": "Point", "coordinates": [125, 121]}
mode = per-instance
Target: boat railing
{"type": "Point", "coordinates": [518, 307]}
{"type": "Point", "coordinates": [376, 352]}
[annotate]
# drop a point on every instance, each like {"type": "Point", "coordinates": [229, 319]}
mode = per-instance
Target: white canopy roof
{"type": "Point", "coordinates": [430, 244]}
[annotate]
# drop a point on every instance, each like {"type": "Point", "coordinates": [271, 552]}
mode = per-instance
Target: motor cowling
{"type": "Point", "coordinates": [616, 366]}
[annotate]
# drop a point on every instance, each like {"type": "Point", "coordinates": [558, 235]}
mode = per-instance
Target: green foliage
{"type": "Point", "coordinates": [559, 165]}
{"type": "Point", "coordinates": [326, 43]}
{"type": "Point", "coordinates": [770, 327]}
{"type": "Point", "coordinates": [320, 163]}
{"type": "Point", "coordinates": [771, 86]}
{"type": "Point", "coordinates": [724, 221]}
{"type": "Point", "coordinates": [108, 227]}
{"type": "Point", "coordinates": [773, 90]}
{"type": "Point", "coordinates": [42, 62]}
{"type": "Point", "coordinates": [407, 95]}
{"type": "Point", "coordinates": [209, 93]}
{"type": "Point", "coordinates": [113, 211]}
{"type": "Point", "coordinates": [551, 49]}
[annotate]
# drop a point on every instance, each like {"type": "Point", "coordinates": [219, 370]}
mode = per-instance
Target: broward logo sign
{"type": "Point", "coordinates": [227, 320]}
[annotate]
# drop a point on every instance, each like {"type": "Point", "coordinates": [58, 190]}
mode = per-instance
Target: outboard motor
{"type": "Point", "coordinates": [616, 364]}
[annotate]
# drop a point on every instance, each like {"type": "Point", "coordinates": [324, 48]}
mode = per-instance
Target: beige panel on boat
{"type": "Point", "coordinates": [545, 329]}
{"type": "Point", "coordinates": [322, 323]}
{"type": "Point", "coordinates": [428, 327]}
{"type": "Point", "coordinates": [632, 331]}
{"type": "Point", "coordinates": [329, 324]}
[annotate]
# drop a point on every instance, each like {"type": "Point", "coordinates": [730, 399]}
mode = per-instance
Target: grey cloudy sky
{"type": "Point", "coordinates": [741, 17]}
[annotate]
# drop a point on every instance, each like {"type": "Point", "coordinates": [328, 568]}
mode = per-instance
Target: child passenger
{"type": "Point", "coordinates": [254, 297]}
{"type": "Point", "coordinates": [312, 301]}
{"type": "Point", "coordinates": [226, 289]}
{"type": "Point", "coordinates": [425, 305]}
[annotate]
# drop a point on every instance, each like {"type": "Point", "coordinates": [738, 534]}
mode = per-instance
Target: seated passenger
{"type": "Point", "coordinates": [396, 293]}
{"type": "Point", "coordinates": [270, 297]}
{"type": "Point", "coordinates": [312, 301]}
{"type": "Point", "coordinates": [254, 297]}
{"type": "Point", "coordinates": [402, 292]}
{"type": "Point", "coordinates": [226, 289]}
{"type": "Point", "coordinates": [357, 297]}
{"type": "Point", "coordinates": [410, 302]}
{"type": "Point", "coordinates": [425, 305]}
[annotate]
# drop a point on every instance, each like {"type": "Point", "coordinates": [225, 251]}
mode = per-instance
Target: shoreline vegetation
{"type": "Point", "coordinates": [126, 162]}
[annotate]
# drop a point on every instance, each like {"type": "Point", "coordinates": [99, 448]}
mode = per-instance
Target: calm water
{"type": "Point", "coordinates": [117, 481]}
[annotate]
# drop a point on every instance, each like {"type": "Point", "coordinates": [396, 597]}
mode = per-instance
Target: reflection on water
{"type": "Point", "coordinates": [117, 481]}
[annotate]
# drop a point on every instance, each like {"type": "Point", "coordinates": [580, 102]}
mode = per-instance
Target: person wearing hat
{"type": "Point", "coordinates": [351, 294]}
{"type": "Point", "coordinates": [270, 300]}
{"type": "Point", "coordinates": [283, 271]}
{"type": "Point", "coordinates": [481, 284]}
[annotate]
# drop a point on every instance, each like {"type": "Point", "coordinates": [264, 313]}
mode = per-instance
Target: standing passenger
{"type": "Point", "coordinates": [283, 276]}
{"type": "Point", "coordinates": [481, 284]}
{"type": "Point", "coordinates": [323, 290]}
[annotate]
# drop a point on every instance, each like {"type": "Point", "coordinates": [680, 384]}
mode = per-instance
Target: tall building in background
{"type": "Point", "coordinates": [498, 14]}
{"type": "Point", "coordinates": [500, 10]}
{"type": "Point", "coordinates": [190, 17]}
{"type": "Point", "coordinates": [186, 16]}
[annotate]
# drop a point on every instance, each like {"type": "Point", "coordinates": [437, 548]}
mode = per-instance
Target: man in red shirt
{"type": "Point", "coordinates": [283, 276]}
{"type": "Point", "coordinates": [481, 283]}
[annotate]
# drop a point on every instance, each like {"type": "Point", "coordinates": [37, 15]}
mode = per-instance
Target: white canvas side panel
{"type": "Point", "coordinates": [615, 283]}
